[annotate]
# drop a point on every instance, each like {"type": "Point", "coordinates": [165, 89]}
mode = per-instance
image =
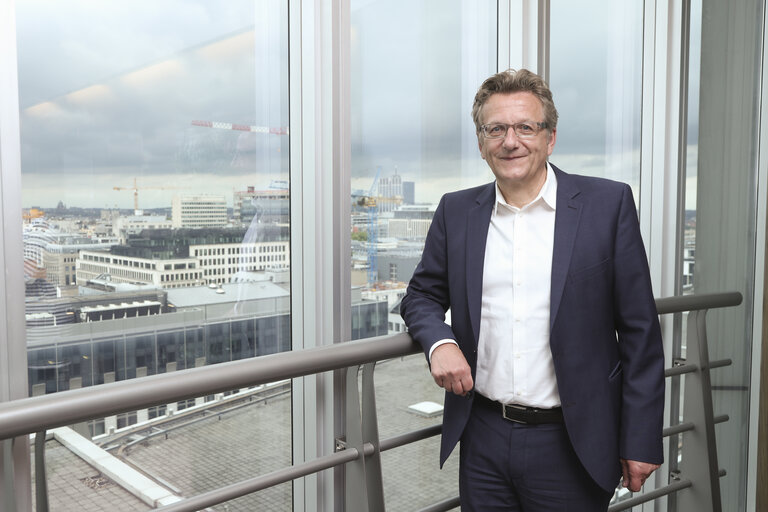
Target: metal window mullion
{"type": "Point", "coordinates": [504, 50]}
{"type": "Point", "coordinates": [661, 201]}
{"type": "Point", "coordinates": [523, 35]}
{"type": "Point", "coordinates": [15, 481]}
{"type": "Point", "coordinates": [675, 327]}
{"type": "Point", "coordinates": [320, 161]}
{"type": "Point", "coordinates": [661, 172]}
{"type": "Point", "coordinates": [542, 39]}
{"type": "Point", "coordinates": [341, 220]}
{"type": "Point", "coordinates": [297, 148]}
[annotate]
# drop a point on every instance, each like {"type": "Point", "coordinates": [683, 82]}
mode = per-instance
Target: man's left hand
{"type": "Point", "coordinates": [635, 473]}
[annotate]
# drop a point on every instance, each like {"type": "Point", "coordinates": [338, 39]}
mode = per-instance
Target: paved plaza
{"type": "Point", "coordinates": [194, 454]}
{"type": "Point", "coordinates": [74, 485]}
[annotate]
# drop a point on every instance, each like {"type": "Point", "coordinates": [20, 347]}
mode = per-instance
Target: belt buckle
{"type": "Point", "coordinates": [512, 406]}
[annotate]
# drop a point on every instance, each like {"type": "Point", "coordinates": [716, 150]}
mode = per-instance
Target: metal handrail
{"type": "Point", "coordinates": [37, 414]}
{"type": "Point", "coordinates": [681, 303]}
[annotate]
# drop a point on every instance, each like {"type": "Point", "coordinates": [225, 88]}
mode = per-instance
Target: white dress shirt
{"type": "Point", "coordinates": [514, 361]}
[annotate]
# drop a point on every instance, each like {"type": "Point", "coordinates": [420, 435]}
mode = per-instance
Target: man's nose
{"type": "Point", "coordinates": [510, 139]}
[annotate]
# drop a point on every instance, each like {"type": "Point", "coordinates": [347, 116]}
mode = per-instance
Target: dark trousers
{"type": "Point", "coordinates": [507, 466]}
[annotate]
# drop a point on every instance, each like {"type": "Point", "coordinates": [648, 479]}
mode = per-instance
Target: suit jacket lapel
{"type": "Point", "coordinates": [478, 220]}
{"type": "Point", "coordinates": [567, 216]}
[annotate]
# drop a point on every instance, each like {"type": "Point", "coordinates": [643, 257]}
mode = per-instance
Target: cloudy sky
{"type": "Point", "coordinates": [109, 92]}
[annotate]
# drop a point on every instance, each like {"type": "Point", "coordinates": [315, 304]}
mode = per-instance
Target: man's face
{"type": "Point", "coordinates": [518, 164]}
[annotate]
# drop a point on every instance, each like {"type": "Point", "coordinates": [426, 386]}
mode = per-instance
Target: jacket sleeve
{"type": "Point", "coordinates": [639, 342]}
{"type": "Point", "coordinates": [428, 295]}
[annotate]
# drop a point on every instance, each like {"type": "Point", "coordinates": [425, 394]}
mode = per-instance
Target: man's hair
{"type": "Point", "coordinates": [510, 81]}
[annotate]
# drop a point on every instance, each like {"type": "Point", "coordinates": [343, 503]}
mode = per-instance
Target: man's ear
{"type": "Point", "coordinates": [551, 142]}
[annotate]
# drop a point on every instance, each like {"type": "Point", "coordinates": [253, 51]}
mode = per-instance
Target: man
{"type": "Point", "coordinates": [553, 364]}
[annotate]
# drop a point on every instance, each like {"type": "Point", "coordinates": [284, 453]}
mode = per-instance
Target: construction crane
{"type": "Point", "coordinates": [207, 124]}
{"type": "Point", "coordinates": [135, 189]}
{"type": "Point", "coordinates": [371, 207]}
{"type": "Point", "coordinates": [282, 130]}
{"type": "Point", "coordinates": [32, 213]}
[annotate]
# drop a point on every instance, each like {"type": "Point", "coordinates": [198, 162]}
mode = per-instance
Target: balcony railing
{"type": "Point", "coordinates": [695, 480]}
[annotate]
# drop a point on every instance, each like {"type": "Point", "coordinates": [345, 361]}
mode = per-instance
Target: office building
{"type": "Point", "coordinates": [391, 186]}
{"type": "Point", "coordinates": [398, 264]}
{"type": "Point", "coordinates": [122, 226]}
{"type": "Point", "coordinates": [60, 256]}
{"type": "Point", "coordinates": [187, 257]}
{"type": "Point", "coordinates": [409, 192]}
{"type": "Point", "coordinates": [200, 211]}
{"type": "Point", "coordinates": [118, 335]}
{"type": "Point", "coordinates": [408, 229]}
{"type": "Point", "coordinates": [266, 206]}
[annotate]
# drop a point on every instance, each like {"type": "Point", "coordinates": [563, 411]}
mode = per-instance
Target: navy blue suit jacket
{"type": "Point", "coordinates": [604, 329]}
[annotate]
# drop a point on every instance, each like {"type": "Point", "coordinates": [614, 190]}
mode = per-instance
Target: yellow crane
{"type": "Point", "coordinates": [135, 189]}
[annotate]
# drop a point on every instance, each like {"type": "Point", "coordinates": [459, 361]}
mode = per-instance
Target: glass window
{"type": "Point", "coordinates": [412, 134]}
{"type": "Point", "coordinates": [78, 359]}
{"type": "Point", "coordinates": [122, 112]}
{"type": "Point", "coordinates": [170, 351]}
{"type": "Point", "coordinates": [596, 81]}
{"type": "Point", "coordinates": [721, 178]}
{"type": "Point", "coordinates": [415, 69]}
{"type": "Point", "coordinates": [104, 361]}
{"type": "Point", "coordinates": [144, 129]}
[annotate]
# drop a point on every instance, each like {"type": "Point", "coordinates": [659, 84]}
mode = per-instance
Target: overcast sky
{"type": "Point", "coordinates": [109, 91]}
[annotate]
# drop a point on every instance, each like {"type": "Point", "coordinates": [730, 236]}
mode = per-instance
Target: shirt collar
{"type": "Point", "coordinates": [547, 194]}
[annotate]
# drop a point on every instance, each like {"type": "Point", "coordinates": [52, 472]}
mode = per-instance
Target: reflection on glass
{"type": "Point", "coordinates": [154, 157]}
{"type": "Point", "coordinates": [156, 204]}
{"type": "Point", "coordinates": [686, 287]}
{"type": "Point", "coordinates": [416, 67]}
{"type": "Point", "coordinates": [692, 149]}
{"type": "Point", "coordinates": [596, 80]}
{"type": "Point", "coordinates": [726, 175]}
{"type": "Point", "coordinates": [415, 71]}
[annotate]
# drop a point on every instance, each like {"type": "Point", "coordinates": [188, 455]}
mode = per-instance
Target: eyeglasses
{"type": "Point", "coordinates": [522, 130]}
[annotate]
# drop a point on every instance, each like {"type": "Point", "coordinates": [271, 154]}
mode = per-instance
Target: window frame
{"type": "Point", "coordinates": [13, 358]}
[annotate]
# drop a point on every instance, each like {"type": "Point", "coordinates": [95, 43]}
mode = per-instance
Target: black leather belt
{"type": "Point", "coordinates": [521, 413]}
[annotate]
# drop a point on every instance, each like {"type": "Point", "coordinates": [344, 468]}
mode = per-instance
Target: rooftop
{"type": "Point", "coordinates": [232, 292]}
{"type": "Point", "coordinates": [248, 436]}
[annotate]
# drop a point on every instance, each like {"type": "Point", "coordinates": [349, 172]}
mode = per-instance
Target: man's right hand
{"type": "Point", "coordinates": [450, 369]}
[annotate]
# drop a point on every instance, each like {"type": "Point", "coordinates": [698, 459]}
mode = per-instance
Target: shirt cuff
{"type": "Point", "coordinates": [437, 344]}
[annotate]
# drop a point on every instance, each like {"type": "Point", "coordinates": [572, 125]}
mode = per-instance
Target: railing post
{"type": "Point", "coordinates": [8, 493]}
{"type": "Point", "coordinates": [373, 477]}
{"type": "Point", "coordinates": [699, 452]}
{"type": "Point", "coordinates": [364, 488]}
{"type": "Point", "coordinates": [355, 492]}
{"type": "Point", "coordinates": [41, 479]}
